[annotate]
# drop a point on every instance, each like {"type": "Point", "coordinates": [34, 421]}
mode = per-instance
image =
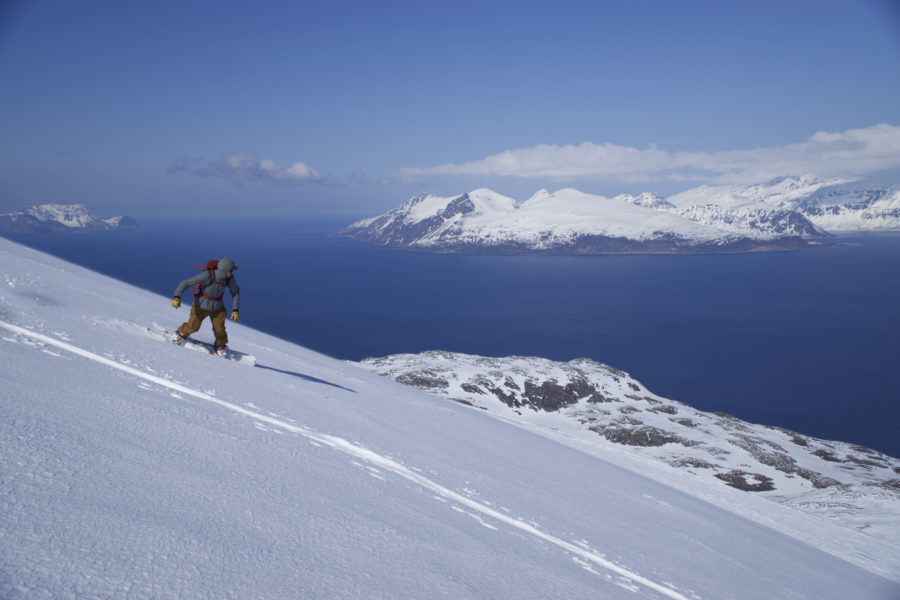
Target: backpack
{"type": "Point", "coordinates": [211, 266]}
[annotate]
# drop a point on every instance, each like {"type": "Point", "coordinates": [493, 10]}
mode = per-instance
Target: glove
{"type": "Point", "coordinates": [176, 302]}
{"type": "Point", "coordinates": [234, 316]}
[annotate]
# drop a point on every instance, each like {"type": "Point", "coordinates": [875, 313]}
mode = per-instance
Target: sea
{"type": "Point", "coordinates": [805, 340]}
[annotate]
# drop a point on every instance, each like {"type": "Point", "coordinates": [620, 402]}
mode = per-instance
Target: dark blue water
{"type": "Point", "coordinates": [804, 340]}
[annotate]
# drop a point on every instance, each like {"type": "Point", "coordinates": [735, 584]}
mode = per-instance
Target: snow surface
{"type": "Point", "coordinates": [133, 468]}
{"type": "Point", "coordinates": [607, 413]}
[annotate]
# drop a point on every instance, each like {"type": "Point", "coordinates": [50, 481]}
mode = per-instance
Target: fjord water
{"type": "Point", "coordinates": [805, 340]}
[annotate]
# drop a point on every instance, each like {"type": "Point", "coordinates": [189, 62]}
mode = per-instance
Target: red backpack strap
{"type": "Point", "coordinates": [211, 266]}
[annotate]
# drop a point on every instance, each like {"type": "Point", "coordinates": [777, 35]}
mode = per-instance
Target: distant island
{"type": "Point", "coordinates": [46, 218]}
{"type": "Point", "coordinates": [781, 214]}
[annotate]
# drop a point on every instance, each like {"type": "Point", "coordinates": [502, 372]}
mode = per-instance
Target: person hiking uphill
{"type": "Point", "coordinates": [211, 283]}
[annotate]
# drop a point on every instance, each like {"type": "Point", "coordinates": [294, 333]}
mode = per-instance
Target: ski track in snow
{"type": "Point", "coordinates": [583, 555]}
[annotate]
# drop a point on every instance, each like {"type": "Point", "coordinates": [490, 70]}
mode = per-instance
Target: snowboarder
{"type": "Point", "coordinates": [211, 284]}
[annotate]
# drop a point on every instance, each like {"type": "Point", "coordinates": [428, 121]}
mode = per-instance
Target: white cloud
{"type": "Point", "coordinates": [853, 153]}
{"type": "Point", "coordinates": [246, 167]}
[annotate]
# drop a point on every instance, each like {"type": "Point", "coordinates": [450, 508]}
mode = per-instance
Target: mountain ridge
{"type": "Point", "coordinates": [44, 218]}
{"type": "Point", "coordinates": [783, 213]}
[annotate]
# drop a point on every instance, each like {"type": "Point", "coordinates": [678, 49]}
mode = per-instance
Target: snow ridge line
{"type": "Point", "coordinates": [361, 453]}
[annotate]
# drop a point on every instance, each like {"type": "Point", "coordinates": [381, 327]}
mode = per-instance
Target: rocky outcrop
{"type": "Point", "coordinates": [609, 410]}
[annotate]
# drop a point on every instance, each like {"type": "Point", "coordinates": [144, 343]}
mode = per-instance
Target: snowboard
{"type": "Point", "coordinates": [194, 344]}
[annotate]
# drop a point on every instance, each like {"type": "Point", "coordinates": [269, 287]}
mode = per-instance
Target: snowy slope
{"type": "Point", "coordinates": [608, 413]}
{"type": "Point", "coordinates": [133, 468]}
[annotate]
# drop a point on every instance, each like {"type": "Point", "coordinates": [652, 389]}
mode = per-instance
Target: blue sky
{"type": "Point", "coordinates": [352, 107]}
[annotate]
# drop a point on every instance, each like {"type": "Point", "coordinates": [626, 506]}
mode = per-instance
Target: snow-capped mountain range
{"type": "Point", "coordinates": [785, 213]}
{"type": "Point", "coordinates": [60, 217]}
{"type": "Point", "coordinates": [598, 407]}
{"type": "Point", "coordinates": [133, 468]}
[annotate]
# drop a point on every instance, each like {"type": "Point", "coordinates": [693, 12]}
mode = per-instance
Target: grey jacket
{"type": "Point", "coordinates": [214, 285]}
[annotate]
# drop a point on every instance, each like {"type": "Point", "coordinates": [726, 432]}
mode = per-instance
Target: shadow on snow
{"type": "Point", "coordinates": [304, 377]}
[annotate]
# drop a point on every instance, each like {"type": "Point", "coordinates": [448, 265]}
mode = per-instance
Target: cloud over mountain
{"type": "Point", "coordinates": [245, 167]}
{"type": "Point", "coordinates": [852, 153]}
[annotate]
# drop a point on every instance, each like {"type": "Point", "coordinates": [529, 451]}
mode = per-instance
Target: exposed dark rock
{"type": "Point", "coordinates": [423, 381]}
{"type": "Point", "coordinates": [796, 438]}
{"type": "Point", "coordinates": [506, 398]}
{"type": "Point", "coordinates": [818, 480]}
{"type": "Point", "coordinates": [597, 397]}
{"type": "Point", "coordinates": [466, 402]}
{"type": "Point", "coordinates": [865, 462]}
{"type": "Point", "coordinates": [825, 455]}
{"type": "Point", "coordinates": [643, 435]}
{"type": "Point", "coordinates": [873, 454]}
{"type": "Point", "coordinates": [780, 460]}
{"type": "Point", "coordinates": [692, 462]}
{"type": "Point", "coordinates": [549, 395]}
{"type": "Point", "coordinates": [460, 206]}
{"type": "Point", "coordinates": [579, 388]}
{"type": "Point", "coordinates": [738, 479]}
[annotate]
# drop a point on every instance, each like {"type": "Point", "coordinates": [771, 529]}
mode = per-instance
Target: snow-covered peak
{"type": "Point", "coordinates": [780, 192]}
{"type": "Point", "coordinates": [783, 191]}
{"type": "Point", "coordinates": [537, 197]}
{"type": "Point", "coordinates": [647, 200]}
{"type": "Point", "coordinates": [720, 196]}
{"type": "Point", "coordinates": [572, 221]}
{"type": "Point", "coordinates": [76, 216]}
{"type": "Point", "coordinates": [60, 217]}
{"type": "Point", "coordinates": [428, 206]}
{"type": "Point", "coordinates": [424, 207]}
{"type": "Point", "coordinates": [579, 211]}
{"type": "Point", "coordinates": [490, 203]}
{"type": "Point", "coordinates": [565, 220]}
{"type": "Point", "coordinates": [783, 213]}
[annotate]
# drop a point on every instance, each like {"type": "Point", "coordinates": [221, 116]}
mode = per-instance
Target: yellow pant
{"type": "Point", "coordinates": [217, 317]}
